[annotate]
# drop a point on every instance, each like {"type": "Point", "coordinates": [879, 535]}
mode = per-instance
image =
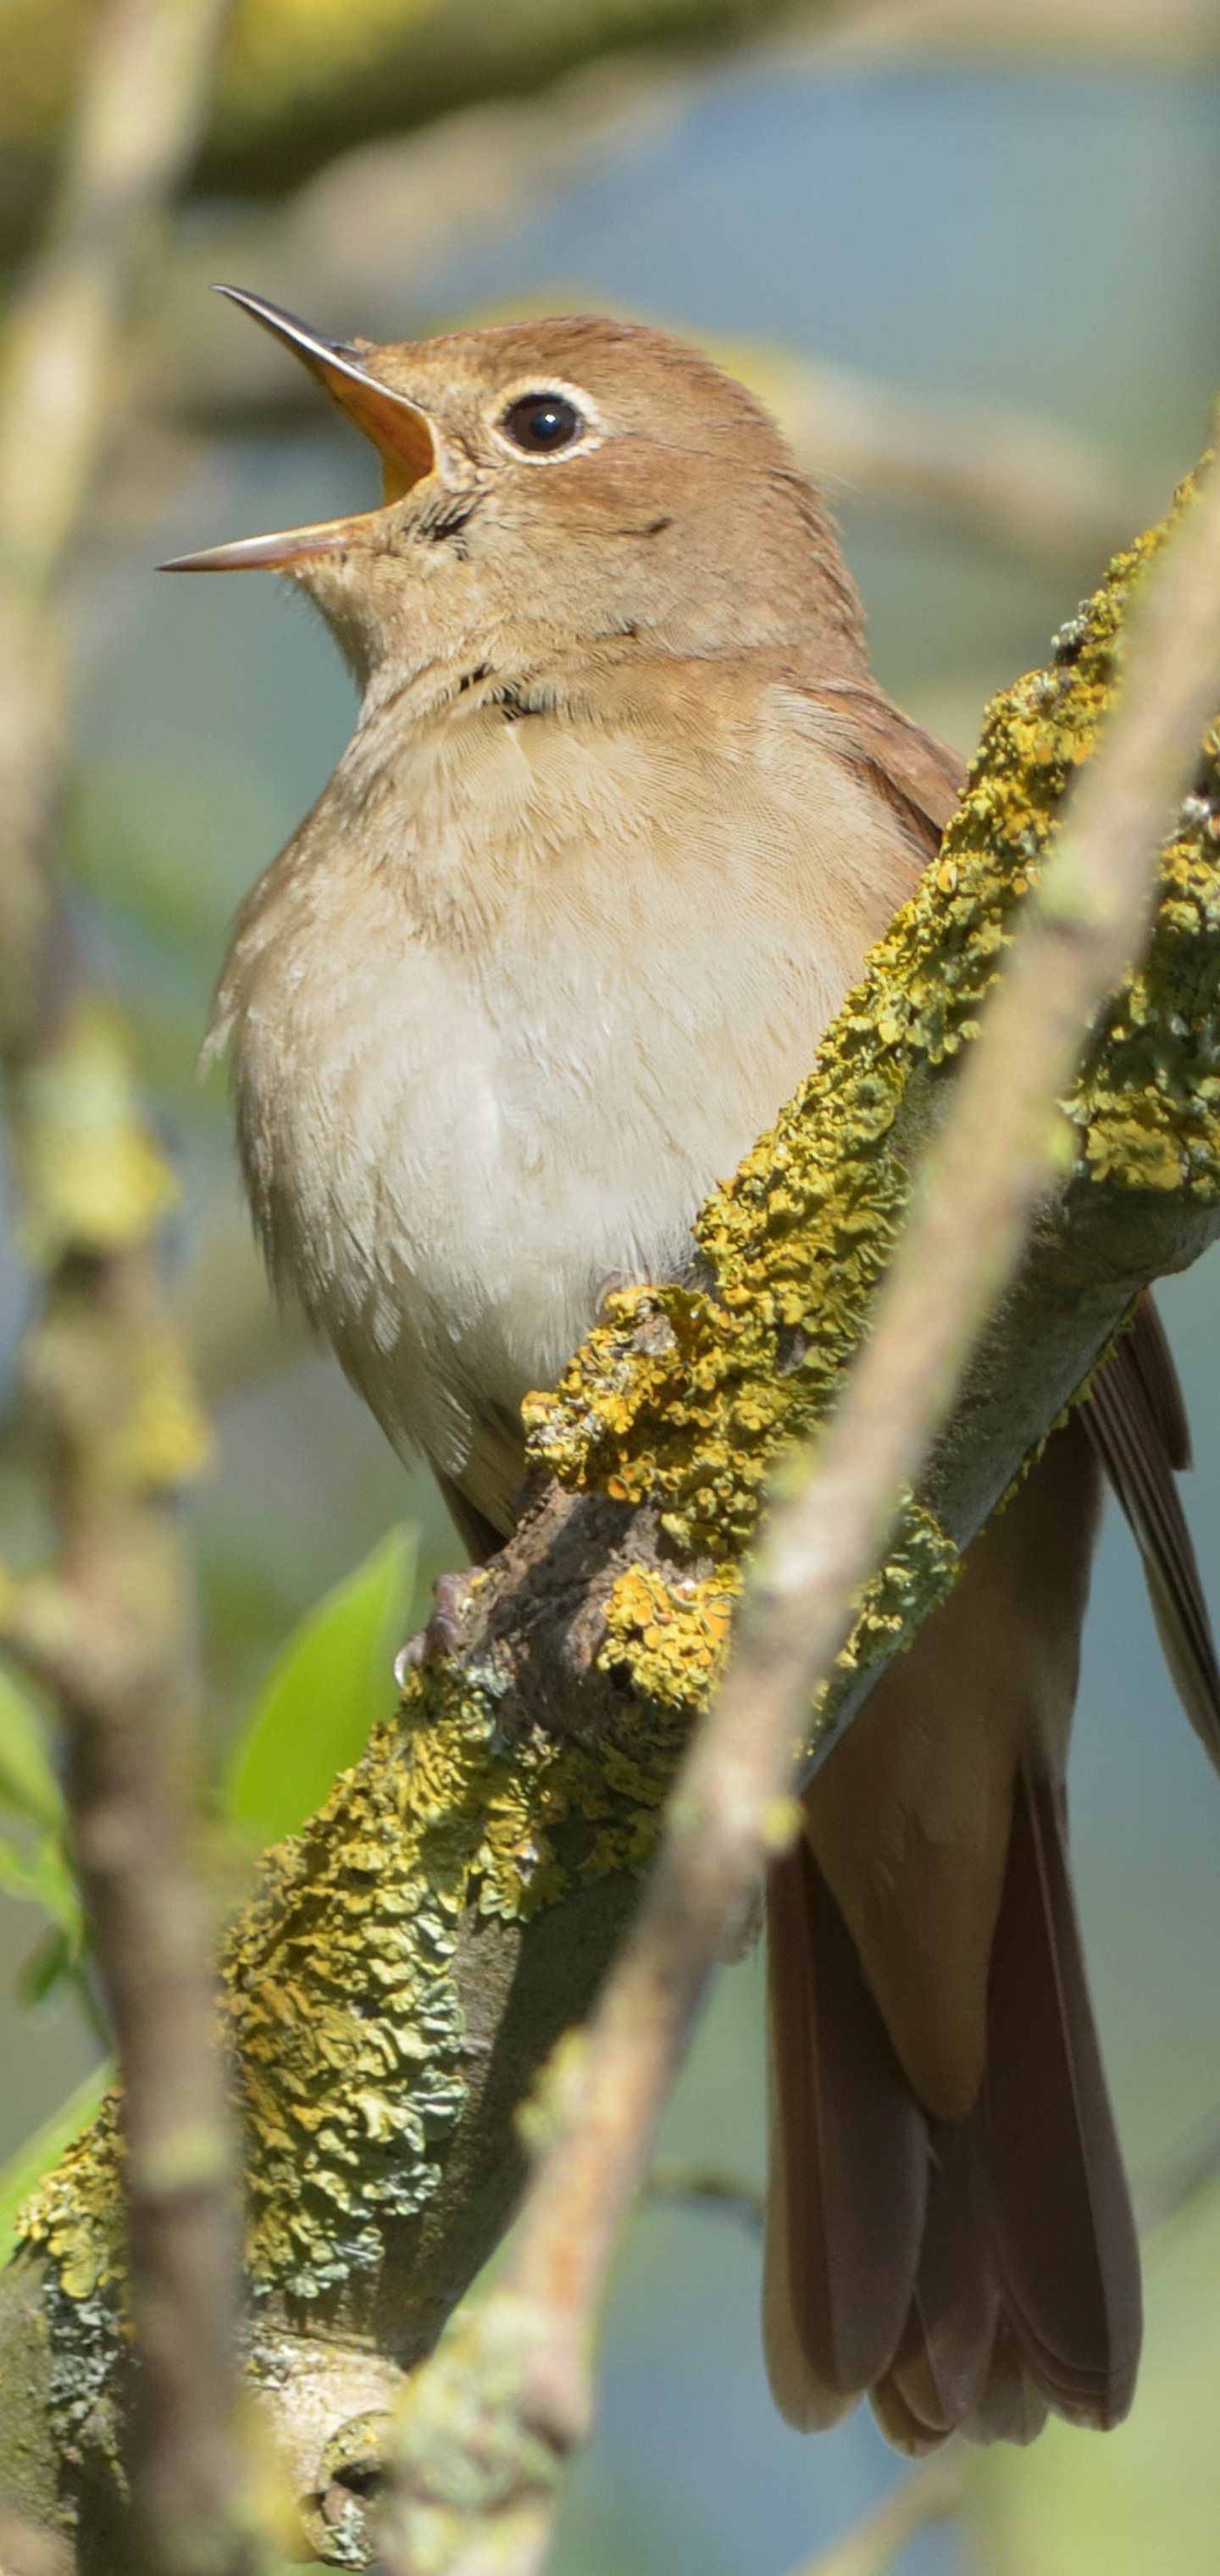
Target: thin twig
{"type": "Point", "coordinates": [936, 2491]}
{"type": "Point", "coordinates": [714, 2185]}
{"type": "Point", "coordinates": [110, 1628]}
{"type": "Point", "coordinates": [931, 2493]}
{"type": "Point", "coordinates": [486, 2425]}
{"type": "Point", "coordinates": [1179, 2177]}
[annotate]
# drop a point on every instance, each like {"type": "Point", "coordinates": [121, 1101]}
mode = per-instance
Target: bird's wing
{"type": "Point", "coordinates": [919, 776]}
{"type": "Point", "coordinates": [1048, 2171]}
{"type": "Point", "coordinates": [1136, 1420]}
{"type": "Point", "coordinates": [848, 2161]}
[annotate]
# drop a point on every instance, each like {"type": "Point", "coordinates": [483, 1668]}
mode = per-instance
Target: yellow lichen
{"type": "Point", "coordinates": [166, 1440]}
{"type": "Point", "coordinates": [76, 2213]}
{"type": "Point", "coordinates": [345, 2020]}
{"type": "Point", "coordinates": [669, 1632]}
{"type": "Point", "coordinates": [94, 1175]}
{"type": "Point", "coordinates": [342, 1979]}
{"type": "Point", "coordinates": [688, 1398]}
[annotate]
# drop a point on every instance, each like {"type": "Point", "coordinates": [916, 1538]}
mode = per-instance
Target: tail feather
{"type": "Point", "coordinates": [848, 2162]}
{"type": "Point", "coordinates": [1010, 2408]}
{"type": "Point", "coordinates": [969, 2273]}
{"type": "Point", "coordinates": [1052, 2188]}
{"type": "Point", "coordinates": [940, 2368]}
{"type": "Point", "coordinates": [949, 2222]}
{"type": "Point", "coordinates": [1137, 1423]}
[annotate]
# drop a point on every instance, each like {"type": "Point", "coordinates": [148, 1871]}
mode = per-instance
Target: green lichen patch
{"type": "Point", "coordinates": [93, 1174]}
{"type": "Point", "coordinates": [921, 1569]}
{"type": "Point", "coordinates": [346, 2015]}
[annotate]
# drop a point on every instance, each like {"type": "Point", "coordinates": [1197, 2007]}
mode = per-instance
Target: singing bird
{"type": "Point", "coordinates": [623, 809]}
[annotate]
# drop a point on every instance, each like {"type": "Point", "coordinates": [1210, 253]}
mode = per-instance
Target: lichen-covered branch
{"type": "Point", "coordinates": [415, 1953]}
{"type": "Point", "coordinates": [108, 1627]}
{"type": "Point", "coordinates": [486, 2424]}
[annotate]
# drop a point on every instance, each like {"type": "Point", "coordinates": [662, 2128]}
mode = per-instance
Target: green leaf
{"type": "Point", "coordinates": [332, 1682]}
{"type": "Point", "coordinates": [53, 1962]}
{"type": "Point", "coordinates": [27, 1778]}
{"type": "Point", "coordinates": [25, 2170]}
{"type": "Point", "coordinates": [37, 1871]}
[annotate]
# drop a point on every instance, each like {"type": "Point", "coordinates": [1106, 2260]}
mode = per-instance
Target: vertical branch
{"type": "Point", "coordinates": [109, 1629]}
{"type": "Point", "coordinates": [486, 2425]}
{"type": "Point", "coordinates": [144, 88]}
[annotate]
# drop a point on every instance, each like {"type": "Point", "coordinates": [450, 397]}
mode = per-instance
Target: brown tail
{"type": "Point", "coordinates": [949, 2227]}
{"type": "Point", "coordinates": [848, 2162]}
{"type": "Point", "coordinates": [967, 2273]}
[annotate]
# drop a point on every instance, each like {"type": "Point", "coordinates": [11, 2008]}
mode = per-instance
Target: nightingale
{"type": "Point", "coordinates": [623, 809]}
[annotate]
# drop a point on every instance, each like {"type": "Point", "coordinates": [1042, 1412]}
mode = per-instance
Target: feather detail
{"type": "Point", "coordinates": [910, 1814]}
{"type": "Point", "coordinates": [1010, 2408]}
{"type": "Point", "coordinates": [936, 1883]}
{"type": "Point", "coordinates": [1137, 1422]}
{"type": "Point", "coordinates": [919, 777]}
{"type": "Point", "coordinates": [939, 2373]}
{"type": "Point", "coordinates": [479, 1536]}
{"type": "Point", "coordinates": [848, 2162]}
{"type": "Point", "coordinates": [1026, 2290]}
{"type": "Point", "coordinates": [1049, 2174]}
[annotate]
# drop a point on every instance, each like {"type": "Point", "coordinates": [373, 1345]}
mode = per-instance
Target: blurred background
{"type": "Point", "coordinates": [968, 253]}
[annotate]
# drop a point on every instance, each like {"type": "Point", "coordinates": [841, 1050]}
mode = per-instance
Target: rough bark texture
{"type": "Point", "coordinates": [412, 1956]}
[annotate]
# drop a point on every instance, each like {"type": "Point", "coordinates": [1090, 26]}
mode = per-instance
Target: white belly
{"type": "Point", "coordinates": [456, 1134]}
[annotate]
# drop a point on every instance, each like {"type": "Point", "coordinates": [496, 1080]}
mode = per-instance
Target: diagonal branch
{"type": "Point", "coordinates": [415, 1953]}
{"type": "Point", "coordinates": [931, 2493]}
{"type": "Point", "coordinates": [508, 2395]}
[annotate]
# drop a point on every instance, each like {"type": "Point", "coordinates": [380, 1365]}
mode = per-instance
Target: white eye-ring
{"type": "Point", "coordinates": [546, 420]}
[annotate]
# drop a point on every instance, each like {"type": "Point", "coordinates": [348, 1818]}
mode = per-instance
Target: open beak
{"type": "Point", "coordinates": [400, 432]}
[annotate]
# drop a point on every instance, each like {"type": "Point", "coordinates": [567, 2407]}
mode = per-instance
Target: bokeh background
{"type": "Point", "coordinates": [970, 254]}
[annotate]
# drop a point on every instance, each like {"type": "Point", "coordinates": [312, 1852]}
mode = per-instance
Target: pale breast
{"type": "Point", "coordinates": [501, 1020]}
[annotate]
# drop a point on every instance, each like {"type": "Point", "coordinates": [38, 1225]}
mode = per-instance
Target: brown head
{"type": "Point", "coordinates": [549, 485]}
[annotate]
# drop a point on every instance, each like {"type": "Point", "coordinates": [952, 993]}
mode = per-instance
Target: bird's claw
{"type": "Point", "coordinates": [443, 1634]}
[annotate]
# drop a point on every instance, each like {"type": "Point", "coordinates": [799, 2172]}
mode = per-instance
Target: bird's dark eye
{"type": "Point", "coordinates": [542, 423]}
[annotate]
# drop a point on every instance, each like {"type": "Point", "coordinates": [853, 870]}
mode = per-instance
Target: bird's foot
{"type": "Point", "coordinates": [613, 1285]}
{"type": "Point", "coordinates": [443, 1634]}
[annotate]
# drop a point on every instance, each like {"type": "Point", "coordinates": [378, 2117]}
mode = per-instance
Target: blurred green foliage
{"type": "Point", "coordinates": [332, 1682]}
{"type": "Point", "coordinates": [1143, 2502]}
{"type": "Point", "coordinates": [34, 1863]}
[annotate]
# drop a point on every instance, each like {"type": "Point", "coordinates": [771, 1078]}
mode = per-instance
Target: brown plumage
{"type": "Point", "coordinates": [622, 812]}
{"type": "Point", "coordinates": [938, 1836]}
